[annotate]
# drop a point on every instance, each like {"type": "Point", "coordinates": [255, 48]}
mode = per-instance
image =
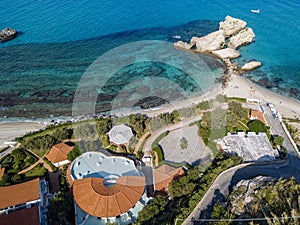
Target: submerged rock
{"type": "Point", "coordinates": [232, 26]}
{"type": "Point", "coordinates": [227, 53]}
{"type": "Point", "coordinates": [7, 34]}
{"type": "Point", "coordinates": [294, 92]}
{"type": "Point", "coordinates": [251, 65]}
{"type": "Point", "coordinates": [211, 42]}
{"type": "Point", "coordinates": [245, 36]}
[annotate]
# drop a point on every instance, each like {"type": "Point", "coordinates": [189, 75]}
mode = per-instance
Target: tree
{"type": "Point", "coordinates": [181, 187]}
{"type": "Point", "coordinates": [74, 153]}
{"type": "Point", "coordinates": [257, 126]}
{"type": "Point", "coordinates": [152, 209]}
{"type": "Point", "coordinates": [4, 180]}
{"type": "Point", "coordinates": [62, 134]}
{"type": "Point", "coordinates": [16, 178]}
{"type": "Point", "coordinates": [103, 126]}
{"type": "Point", "coordinates": [278, 140]}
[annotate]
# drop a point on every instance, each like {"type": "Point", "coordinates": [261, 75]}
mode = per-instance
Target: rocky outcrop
{"type": "Point", "coordinates": [232, 26]}
{"type": "Point", "coordinates": [251, 65]}
{"type": "Point", "coordinates": [182, 45]}
{"type": "Point", "coordinates": [226, 53]}
{"type": "Point", "coordinates": [210, 42]}
{"type": "Point", "coordinates": [7, 34]}
{"type": "Point", "coordinates": [245, 36]}
{"type": "Point", "coordinates": [223, 44]}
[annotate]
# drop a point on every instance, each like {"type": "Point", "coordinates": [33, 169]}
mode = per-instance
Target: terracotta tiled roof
{"type": "Point", "coordinates": [98, 200]}
{"type": "Point", "coordinates": [69, 177]}
{"type": "Point", "coordinates": [255, 114]}
{"type": "Point", "coordinates": [28, 216]}
{"type": "Point", "coordinates": [19, 193]}
{"type": "Point", "coordinates": [59, 152]}
{"type": "Point", "coordinates": [163, 176]}
{"type": "Point", "coordinates": [22, 217]}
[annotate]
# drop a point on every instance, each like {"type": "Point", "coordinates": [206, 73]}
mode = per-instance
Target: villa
{"type": "Point", "coordinates": [58, 154]}
{"type": "Point", "coordinates": [106, 189]}
{"type": "Point", "coordinates": [24, 203]}
{"type": "Point", "coordinates": [250, 146]}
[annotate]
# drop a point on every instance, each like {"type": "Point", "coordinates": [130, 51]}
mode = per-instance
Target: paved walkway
{"type": "Point", "coordinates": [171, 127]}
{"type": "Point", "coordinates": [40, 160]}
{"type": "Point", "coordinates": [195, 153]}
{"type": "Point", "coordinates": [137, 147]}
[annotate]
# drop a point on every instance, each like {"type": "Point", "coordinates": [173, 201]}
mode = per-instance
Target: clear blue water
{"type": "Point", "coordinates": [61, 38]}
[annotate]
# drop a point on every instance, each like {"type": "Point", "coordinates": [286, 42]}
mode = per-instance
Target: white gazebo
{"type": "Point", "coordinates": [120, 135]}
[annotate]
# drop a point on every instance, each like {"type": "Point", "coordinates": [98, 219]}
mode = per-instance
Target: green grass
{"type": "Point", "coordinates": [160, 154]}
{"type": "Point", "coordinates": [50, 164]}
{"type": "Point", "coordinates": [159, 138]}
{"type": "Point", "coordinates": [228, 99]}
{"type": "Point", "coordinates": [38, 171]}
{"type": "Point", "coordinates": [47, 130]}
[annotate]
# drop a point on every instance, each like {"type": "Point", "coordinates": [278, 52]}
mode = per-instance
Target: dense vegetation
{"type": "Point", "coordinates": [277, 201]}
{"type": "Point", "coordinates": [13, 163]}
{"type": "Point", "coordinates": [74, 153]}
{"type": "Point", "coordinates": [61, 205]}
{"type": "Point", "coordinates": [41, 143]}
{"type": "Point", "coordinates": [185, 194]}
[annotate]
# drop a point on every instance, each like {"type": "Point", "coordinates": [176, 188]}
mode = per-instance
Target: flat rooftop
{"type": "Point", "coordinates": [98, 165]}
{"type": "Point", "coordinates": [250, 146]}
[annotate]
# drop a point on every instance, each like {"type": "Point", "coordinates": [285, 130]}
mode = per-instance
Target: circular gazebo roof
{"type": "Point", "coordinates": [120, 134]}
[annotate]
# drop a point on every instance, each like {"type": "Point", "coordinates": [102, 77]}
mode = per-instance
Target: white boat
{"type": "Point", "coordinates": [255, 10]}
{"type": "Point", "coordinates": [177, 37]}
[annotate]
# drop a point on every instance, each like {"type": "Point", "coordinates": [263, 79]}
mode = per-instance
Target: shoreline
{"type": "Point", "coordinates": [288, 107]}
{"type": "Point", "coordinates": [238, 86]}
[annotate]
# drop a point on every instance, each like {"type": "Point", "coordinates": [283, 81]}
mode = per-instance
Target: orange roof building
{"type": "Point", "coordinates": [257, 115]}
{"type": "Point", "coordinates": [25, 216]}
{"type": "Point", "coordinates": [164, 175]}
{"type": "Point", "coordinates": [106, 189]}
{"type": "Point", "coordinates": [58, 154]}
{"type": "Point", "coordinates": [23, 196]}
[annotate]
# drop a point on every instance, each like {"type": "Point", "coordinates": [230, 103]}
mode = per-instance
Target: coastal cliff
{"type": "Point", "coordinates": [223, 44]}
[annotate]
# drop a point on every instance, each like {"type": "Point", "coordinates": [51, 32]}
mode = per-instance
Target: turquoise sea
{"type": "Point", "coordinates": [60, 39]}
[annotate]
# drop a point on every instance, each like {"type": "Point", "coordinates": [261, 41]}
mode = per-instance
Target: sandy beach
{"type": "Point", "coordinates": [10, 130]}
{"type": "Point", "coordinates": [237, 87]}
{"type": "Point", "coordinates": [242, 87]}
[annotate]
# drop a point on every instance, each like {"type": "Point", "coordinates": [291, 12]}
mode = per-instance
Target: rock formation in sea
{"type": "Point", "coordinates": [223, 44]}
{"type": "Point", "coordinates": [251, 65]}
{"type": "Point", "coordinates": [7, 34]}
{"type": "Point", "coordinates": [244, 37]}
{"type": "Point", "coordinates": [210, 42]}
{"type": "Point", "coordinates": [226, 53]}
{"type": "Point", "coordinates": [231, 26]}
